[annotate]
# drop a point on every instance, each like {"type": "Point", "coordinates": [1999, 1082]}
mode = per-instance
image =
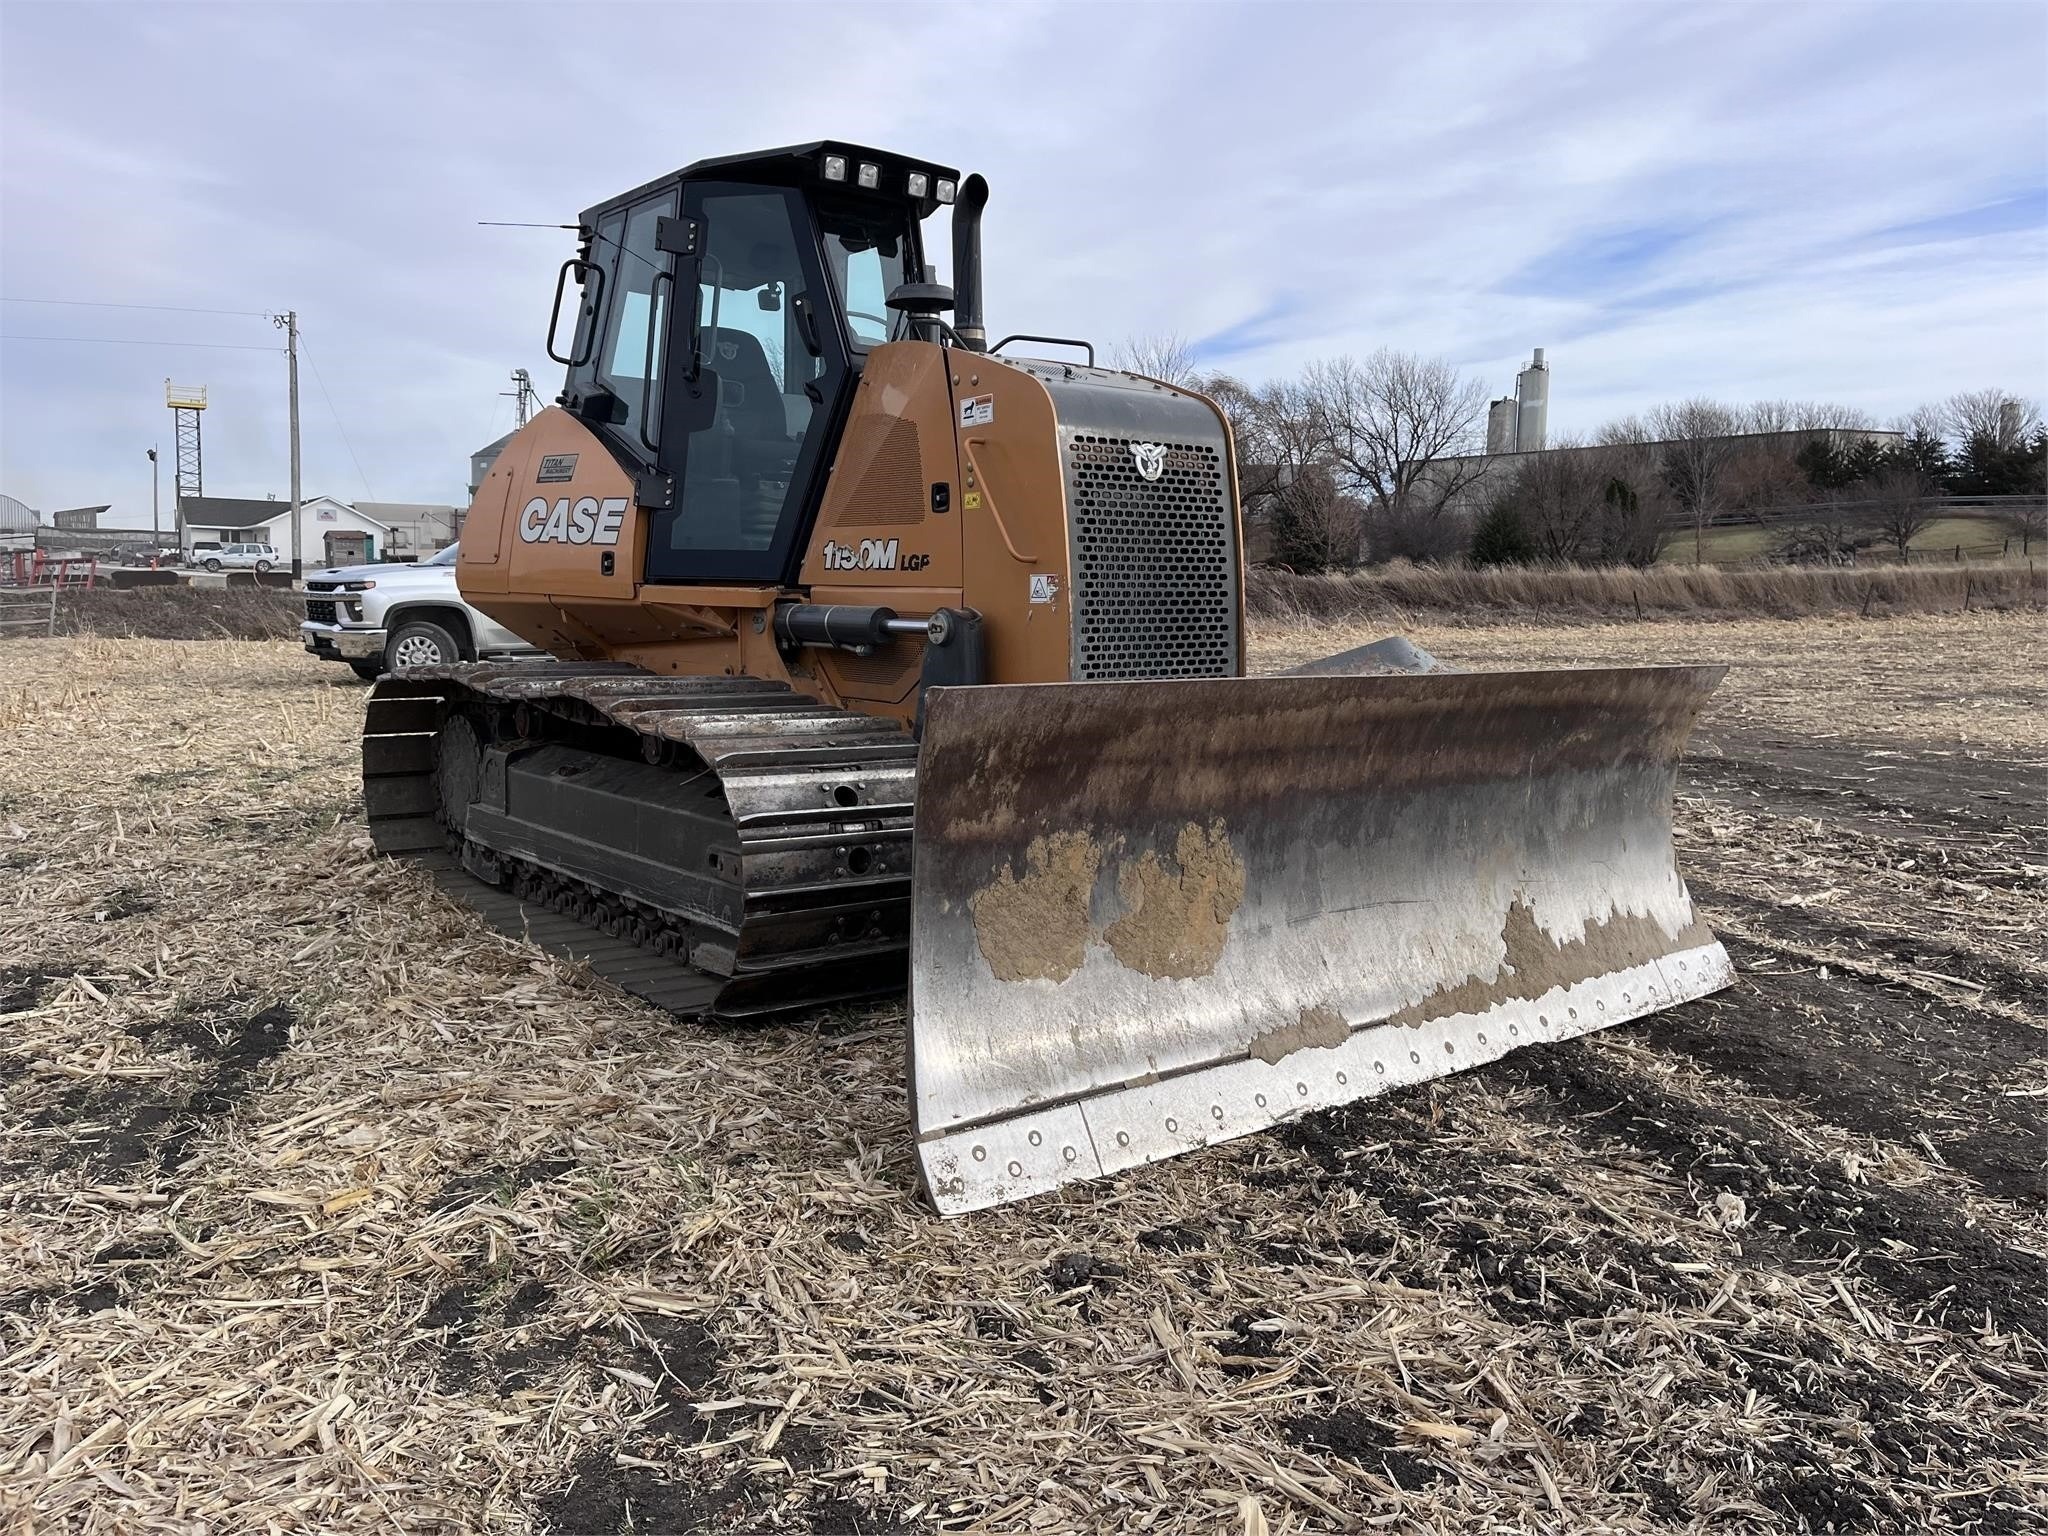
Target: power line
{"type": "Point", "coordinates": [169, 309]}
{"type": "Point", "coordinates": [130, 341]}
{"type": "Point", "coordinates": [308, 356]}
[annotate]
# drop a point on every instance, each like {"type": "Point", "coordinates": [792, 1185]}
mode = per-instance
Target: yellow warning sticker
{"type": "Point", "coordinates": [971, 501]}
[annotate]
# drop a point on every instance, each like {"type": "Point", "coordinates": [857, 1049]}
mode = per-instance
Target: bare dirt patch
{"type": "Point", "coordinates": [437, 1234]}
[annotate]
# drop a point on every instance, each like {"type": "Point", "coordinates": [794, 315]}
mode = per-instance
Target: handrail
{"type": "Point", "coordinates": [1058, 341]}
{"type": "Point", "coordinates": [988, 500]}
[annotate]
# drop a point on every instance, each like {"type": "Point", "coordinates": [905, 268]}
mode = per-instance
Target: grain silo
{"type": "Point", "coordinates": [1532, 397]}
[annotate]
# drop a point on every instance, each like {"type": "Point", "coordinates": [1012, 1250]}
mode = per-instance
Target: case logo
{"type": "Point", "coordinates": [586, 520]}
{"type": "Point", "coordinates": [1150, 459]}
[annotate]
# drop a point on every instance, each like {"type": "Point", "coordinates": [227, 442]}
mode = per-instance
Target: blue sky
{"type": "Point", "coordinates": [1840, 202]}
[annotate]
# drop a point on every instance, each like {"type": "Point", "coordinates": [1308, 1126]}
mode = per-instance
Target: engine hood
{"type": "Point", "coordinates": [380, 572]}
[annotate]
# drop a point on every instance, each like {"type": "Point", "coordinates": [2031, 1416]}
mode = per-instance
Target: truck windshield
{"type": "Point", "coordinates": [445, 557]}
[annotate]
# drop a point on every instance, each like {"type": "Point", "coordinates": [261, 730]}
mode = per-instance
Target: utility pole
{"type": "Point", "coordinates": [289, 323]}
{"type": "Point", "coordinates": [156, 527]}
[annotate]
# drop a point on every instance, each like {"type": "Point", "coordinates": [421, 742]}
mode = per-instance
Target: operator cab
{"type": "Point", "coordinates": [725, 409]}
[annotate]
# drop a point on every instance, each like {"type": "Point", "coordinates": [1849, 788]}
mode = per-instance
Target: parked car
{"type": "Point", "coordinates": [386, 618]}
{"type": "Point", "coordinates": [237, 557]}
{"type": "Point", "coordinates": [202, 550]}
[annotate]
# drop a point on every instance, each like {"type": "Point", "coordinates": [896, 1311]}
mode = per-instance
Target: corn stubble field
{"type": "Point", "coordinates": [328, 1209]}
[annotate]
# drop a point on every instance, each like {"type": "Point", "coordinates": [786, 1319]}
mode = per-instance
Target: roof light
{"type": "Point", "coordinates": [918, 183]}
{"type": "Point", "coordinates": [835, 167]}
{"type": "Point", "coordinates": [946, 190]}
{"type": "Point", "coordinates": [870, 176]}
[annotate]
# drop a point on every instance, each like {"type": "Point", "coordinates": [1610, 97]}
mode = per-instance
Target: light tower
{"type": "Point", "coordinates": [186, 402]}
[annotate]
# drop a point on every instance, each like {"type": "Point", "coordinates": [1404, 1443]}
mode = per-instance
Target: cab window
{"type": "Point", "coordinates": [868, 258]}
{"type": "Point", "coordinates": [632, 332]}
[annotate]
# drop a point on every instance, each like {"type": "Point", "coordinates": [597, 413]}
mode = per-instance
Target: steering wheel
{"type": "Point", "coordinates": [861, 314]}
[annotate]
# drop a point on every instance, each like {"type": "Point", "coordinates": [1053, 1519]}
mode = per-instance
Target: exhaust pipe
{"type": "Point", "coordinates": [967, 321]}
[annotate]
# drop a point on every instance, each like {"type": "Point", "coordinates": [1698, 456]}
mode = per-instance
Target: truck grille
{"type": "Point", "coordinates": [1155, 568]}
{"type": "Point", "coordinates": [320, 613]}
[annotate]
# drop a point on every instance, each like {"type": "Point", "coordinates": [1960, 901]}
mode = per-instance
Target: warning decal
{"type": "Point", "coordinates": [977, 410]}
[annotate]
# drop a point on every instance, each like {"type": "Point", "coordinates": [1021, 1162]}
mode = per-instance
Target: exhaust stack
{"type": "Point", "coordinates": [967, 321]}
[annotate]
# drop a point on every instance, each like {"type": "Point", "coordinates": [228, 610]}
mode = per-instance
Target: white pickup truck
{"type": "Point", "coordinates": [385, 618]}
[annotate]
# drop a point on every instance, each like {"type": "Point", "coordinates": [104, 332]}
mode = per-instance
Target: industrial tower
{"type": "Point", "coordinates": [186, 402]}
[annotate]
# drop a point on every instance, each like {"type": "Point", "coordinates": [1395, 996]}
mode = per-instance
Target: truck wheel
{"type": "Point", "coordinates": [213, 565]}
{"type": "Point", "coordinates": [421, 644]}
{"type": "Point", "coordinates": [368, 671]}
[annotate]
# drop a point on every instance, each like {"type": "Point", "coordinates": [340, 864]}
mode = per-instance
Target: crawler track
{"type": "Point", "coordinates": [766, 868]}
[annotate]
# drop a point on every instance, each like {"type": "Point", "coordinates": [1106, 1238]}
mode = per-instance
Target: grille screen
{"type": "Point", "coordinates": [320, 613]}
{"type": "Point", "coordinates": [888, 490]}
{"type": "Point", "coordinates": [1155, 572]}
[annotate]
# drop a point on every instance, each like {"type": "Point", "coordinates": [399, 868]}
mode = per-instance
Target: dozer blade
{"type": "Point", "coordinates": [1150, 916]}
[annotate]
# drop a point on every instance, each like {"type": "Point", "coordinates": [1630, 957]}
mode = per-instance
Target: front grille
{"type": "Point", "coordinates": [323, 586]}
{"type": "Point", "coordinates": [1155, 570]}
{"type": "Point", "coordinates": [320, 613]}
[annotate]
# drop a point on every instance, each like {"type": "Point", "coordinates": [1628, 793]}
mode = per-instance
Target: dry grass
{"type": "Point", "coordinates": [327, 1209]}
{"type": "Point", "coordinates": [1405, 594]}
{"type": "Point", "coordinates": [1940, 680]}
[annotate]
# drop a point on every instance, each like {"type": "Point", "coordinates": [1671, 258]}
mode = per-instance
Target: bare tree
{"type": "Point", "coordinates": [1803, 416]}
{"type": "Point", "coordinates": [1997, 415]}
{"type": "Point", "coordinates": [1901, 504]}
{"type": "Point", "coordinates": [1694, 436]}
{"type": "Point", "coordinates": [1556, 497]}
{"type": "Point", "coordinates": [1401, 429]}
{"type": "Point", "coordinates": [1829, 532]}
{"type": "Point", "coordinates": [1924, 421]}
{"type": "Point", "coordinates": [1635, 521]}
{"type": "Point", "coordinates": [1164, 356]}
{"type": "Point", "coordinates": [1286, 475]}
{"type": "Point", "coordinates": [1763, 477]}
{"type": "Point", "coordinates": [1622, 430]}
{"type": "Point", "coordinates": [2026, 519]}
{"type": "Point", "coordinates": [1315, 526]}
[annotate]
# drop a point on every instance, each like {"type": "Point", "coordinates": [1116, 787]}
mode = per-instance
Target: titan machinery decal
{"type": "Point", "coordinates": [870, 555]}
{"type": "Point", "coordinates": [556, 468]}
{"type": "Point", "coordinates": [585, 520]}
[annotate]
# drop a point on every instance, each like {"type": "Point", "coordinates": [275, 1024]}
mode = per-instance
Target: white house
{"type": "Point", "coordinates": [330, 532]}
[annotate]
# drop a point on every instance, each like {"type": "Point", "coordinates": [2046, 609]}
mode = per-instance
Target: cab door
{"type": "Point", "coordinates": [750, 392]}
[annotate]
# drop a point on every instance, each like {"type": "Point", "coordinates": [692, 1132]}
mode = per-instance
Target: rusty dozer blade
{"type": "Point", "coordinates": [1150, 916]}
